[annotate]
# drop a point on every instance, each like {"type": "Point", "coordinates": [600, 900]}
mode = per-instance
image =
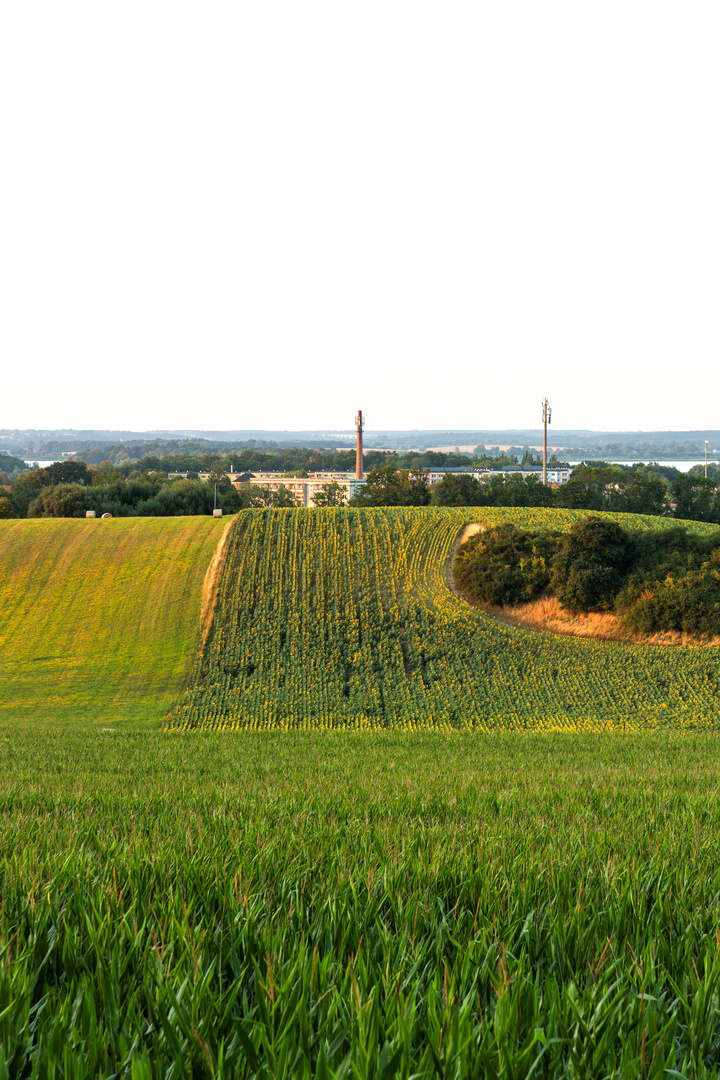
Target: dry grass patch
{"type": "Point", "coordinates": [547, 614]}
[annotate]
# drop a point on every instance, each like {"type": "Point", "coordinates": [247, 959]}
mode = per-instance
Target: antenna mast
{"type": "Point", "coordinates": [359, 425]}
{"type": "Point", "coordinates": [546, 419]}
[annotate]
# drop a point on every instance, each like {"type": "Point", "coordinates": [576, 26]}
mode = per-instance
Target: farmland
{"type": "Point", "coordinates": [342, 904]}
{"type": "Point", "coordinates": [347, 618]}
{"type": "Point", "coordinates": [445, 876]}
{"type": "Point", "coordinates": [100, 620]}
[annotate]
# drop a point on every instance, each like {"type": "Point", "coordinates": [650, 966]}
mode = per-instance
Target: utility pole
{"type": "Point", "coordinates": [546, 419]}
{"type": "Point", "coordinates": [706, 446]}
{"type": "Point", "coordinates": [359, 424]}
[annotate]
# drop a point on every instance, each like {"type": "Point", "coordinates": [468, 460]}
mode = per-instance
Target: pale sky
{"type": "Point", "coordinates": [268, 214]}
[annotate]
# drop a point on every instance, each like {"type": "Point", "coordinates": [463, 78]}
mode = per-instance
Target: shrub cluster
{"type": "Point", "coordinates": [506, 565]}
{"type": "Point", "coordinates": [659, 579]}
{"type": "Point", "coordinates": [135, 498]}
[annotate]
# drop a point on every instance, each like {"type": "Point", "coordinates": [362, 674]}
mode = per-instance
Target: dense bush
{"type": "Point", "coordinates": [62, 500]}
{"type": "Point", "coordinates": [690, 604]}
{"type": "Point", "coordinates": [390, 486]}
{"type": "Point", "coordinates": [654, 556]}
{"type": "Point", "coordinates": [505, 565]}
{"type": "Point", "coordinates": [136, 498]}
{"type": "Point", "coordinates": [588, 568]}
{"type": "Point", "coordinates": [7, 508]}
{"type": "Point", "coordinates": [659, 579]}
{"type": "Point", "coordinates": [174, 500]}
{"type": "Point", "coordinates": [459, 489]}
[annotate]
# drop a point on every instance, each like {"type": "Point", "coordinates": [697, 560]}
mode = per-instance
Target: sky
{"type": "Point", "coordinates": [268, 215]}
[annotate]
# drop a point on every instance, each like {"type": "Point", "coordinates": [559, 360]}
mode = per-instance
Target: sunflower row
{"type": "Point", "coordinates": [347, 618]}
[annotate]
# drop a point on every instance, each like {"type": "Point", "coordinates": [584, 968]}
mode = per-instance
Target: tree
{"type": "Point", "coordinates": [219, 476]}
{"type": "Point", "coordinates": [587, 487]}
{"type": "Point", "coordinates": [177, 500]}
{"type": "Point", "coordinates": [62, 501]}
{"type": "Point", "coordinates": [12, 465]}
{"type": "Point", "coordinates": [68, 472]}
{"type": "Point", "coordinates": [105, 477]}
{"type": "Point", "coordinates": [540, 494]}
{"type": "Point", "coordinates": [126, 499]}
{"type": "Point", "coordinates": [390, 486]}
{"type": "Point", "coordinates": [283, 497]}
{"type": "Point", "coordinates": [459, 489]}
{"type": "Point", "coordinates": [150, 477]}
{"type": "Point", "coordinates": [230, 501]}
{"type": "Point", "coordinates": [587, 571]}
{"type": "Point", "coordinates": [256, 496]}
{"type": "Point", "coordinates": [644, 492]}
{"type": "Point", "coordinates": [332, 494]}
{"type": "Point", "coordinates": [7, 508]}
{"type": "Point", "coordinates": [713, 471]}
{"type": "Point", "coordinates": [253, 496]}
{"type": "Point", "coordinates": [27, 487]}
{"type": "Point", "coordinates": [518, 490]}
{"type": "Point", "coordinates": [505, 565]}
{"type": "Point", "coordinates": [694, 497]}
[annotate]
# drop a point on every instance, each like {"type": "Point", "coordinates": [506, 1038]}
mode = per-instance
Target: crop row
{"type": "Point", "coordinates": [347, 618]}
{"type": "Point", "coordinates": [334, 905]}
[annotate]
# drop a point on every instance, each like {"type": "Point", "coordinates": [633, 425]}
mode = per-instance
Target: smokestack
{"type": "Point", "coordinates": [359, 424]}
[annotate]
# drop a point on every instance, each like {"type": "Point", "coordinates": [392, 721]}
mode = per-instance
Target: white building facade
{"type": "Point", "coordinates": [555, 474]}
{"type": "Point", "coordinates": [302, 488]}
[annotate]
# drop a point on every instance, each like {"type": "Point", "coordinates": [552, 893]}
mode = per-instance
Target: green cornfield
{"type": "Point", "coordinates": [334, 904]}
{"type": "Point", "coordinates": [345, 618]}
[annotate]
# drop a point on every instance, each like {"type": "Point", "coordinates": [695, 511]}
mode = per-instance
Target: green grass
{"type": "Point", "coordinates": [99, 620]}
{"type": "Point", "coordinates": [358, 905]}
{"type": "Point", "coordinates": [346, 619]}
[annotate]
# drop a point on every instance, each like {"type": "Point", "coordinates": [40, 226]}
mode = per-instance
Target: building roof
{"type": "Point", "coordinates": [451, 469]}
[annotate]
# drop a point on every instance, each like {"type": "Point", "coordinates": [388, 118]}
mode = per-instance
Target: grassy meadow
{"type": "Point", "coordinates": [100, 620]}
{"type": "Point", "coordinates": [358, 905]}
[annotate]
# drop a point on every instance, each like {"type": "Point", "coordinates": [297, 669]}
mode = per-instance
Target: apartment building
{"type": "Point", "coordinates": [555, 475]}
{"type": "Point", "coordinates": [304, 488]}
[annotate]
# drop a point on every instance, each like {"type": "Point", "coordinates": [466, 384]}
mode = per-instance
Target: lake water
{"type": "Point", "coordinates": [681, 466]}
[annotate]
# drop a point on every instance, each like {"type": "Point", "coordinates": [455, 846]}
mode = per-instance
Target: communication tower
{"type": "Point", "coordinates": [546, 419]}
{"type": "Point", "coordinates": [359, 425]}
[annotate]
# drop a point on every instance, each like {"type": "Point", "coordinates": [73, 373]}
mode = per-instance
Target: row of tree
{"type": "Point", "coordinates": [296, 461]}
{"type": "Point", "coordinates": [71, 488]}
{"type": "Point", "coordinates": [637, 490]}
{"type": "Point", "coordinates": [68, 488]}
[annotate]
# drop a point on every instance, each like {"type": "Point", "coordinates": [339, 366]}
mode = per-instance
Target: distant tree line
{"type": "Point", "coordinates": [71, 488]}
{"type": "Point", "coordinates": [637, 489]}
{"type": "Point", "coordinates": [394, 480]}
{"type": "Point", "coordinates": [119, 447]}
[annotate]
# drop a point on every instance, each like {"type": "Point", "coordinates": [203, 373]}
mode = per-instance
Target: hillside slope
{"type": "Point", "coordinates": [100, 620]}
{"type": "Point", "coordinates": [347, 618]}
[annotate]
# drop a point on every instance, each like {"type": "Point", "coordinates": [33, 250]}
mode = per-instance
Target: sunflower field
{"type": "Point", "coordinates": [347, 618]}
